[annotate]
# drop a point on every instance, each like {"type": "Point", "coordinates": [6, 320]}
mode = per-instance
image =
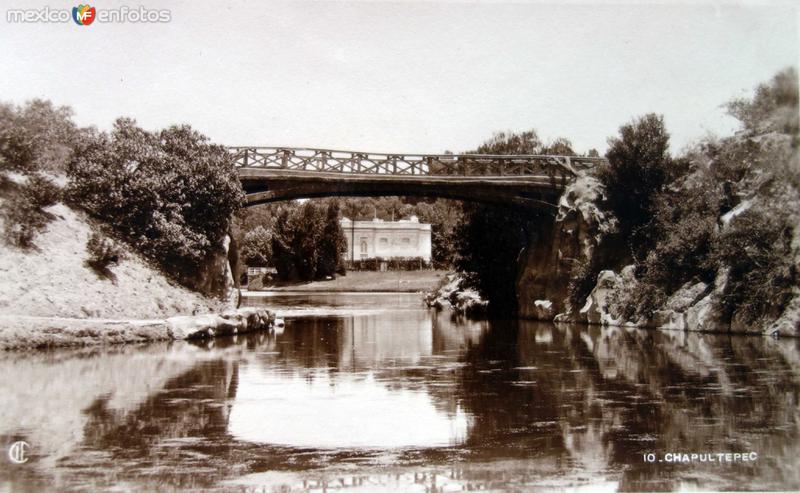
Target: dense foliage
{"type": "Point", "coordinates": [638, 169]}
{"type": "Point", "coordinates": [36, 140]}
{"type": "Point", "coordinates": [170, 193]}
{"type": "Point", "coordinates": [762, 269]}
{"type": "Point", "coordinates": [36, 137]}
{"type": "Point", "coordinates": [256, 247]}
{"type": "Point", "coordinates": [773, 108]}
{"type": "Point", "coordinates": [443, 215]}
{"type": "Point", "coordinates": [307, 241]}
{"type": "Point", "coordinates": [730, 208]}
{"type": "Point", "coordinates": [23, 211]}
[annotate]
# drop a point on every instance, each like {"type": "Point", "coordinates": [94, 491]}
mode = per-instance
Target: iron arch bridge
{"type": "Point", "coordinates": [271, 174]}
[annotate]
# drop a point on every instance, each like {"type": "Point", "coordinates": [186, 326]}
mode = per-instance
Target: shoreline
{"type": "Point", "coordinates": [411, 281]}
{"type": "Point", "coordinates": [268, 293]}
{"type": "Point", "coordinates": [21, 332]}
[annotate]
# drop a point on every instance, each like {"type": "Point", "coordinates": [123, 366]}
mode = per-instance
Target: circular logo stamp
{"type": "Point", "coordinates": [16, 453]}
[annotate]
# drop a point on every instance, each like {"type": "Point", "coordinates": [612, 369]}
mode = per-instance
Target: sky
{"type": "Point", "coordinates": [407, 77]}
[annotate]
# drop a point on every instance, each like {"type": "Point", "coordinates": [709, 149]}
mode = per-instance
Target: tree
{"type": "Point", "coordinates": [527, 142]}
{"type": "Point", "coordinates": [305, 244]}
{"type": "Point", "coordinates": [559, 147]}
{"type": "Point", "coordinates": [332, 244]}
{"type": "Point", "coordinates": [638, 168]}
{"type": "Point", "coordinates": [282, 237]}
{"type": "Point", "coordinates": [257, 247]}
{"type": "Point", "coordinates": [307, 241]}
{"type": "Point", "coordinates": [170, 194]}
{"type": "Point", "coordinates": [444, 216]}
{"type": "Point", "coordinates": [36, 136]}
{"type": "Point", "coordinates": [773, 108]}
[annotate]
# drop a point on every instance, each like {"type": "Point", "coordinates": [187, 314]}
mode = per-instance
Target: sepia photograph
{"type": "Point", "coordinates": [424, 246]}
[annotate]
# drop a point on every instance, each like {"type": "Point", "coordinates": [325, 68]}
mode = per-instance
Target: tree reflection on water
{"type": "Point", "coordinates": [412, 398]}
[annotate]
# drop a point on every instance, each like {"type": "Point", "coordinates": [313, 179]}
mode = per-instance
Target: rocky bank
{"type": "Point", "coordinates": [50, 296]}
{"type": "Point", "coordinates": [25, 332]}
{"type": "Point", "coordinates": [578, 236]}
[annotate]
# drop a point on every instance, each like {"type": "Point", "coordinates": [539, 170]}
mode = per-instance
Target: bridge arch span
{"type": "Point", "coordinates": [272, 174]}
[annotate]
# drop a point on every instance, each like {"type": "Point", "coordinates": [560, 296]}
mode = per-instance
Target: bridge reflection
{"type": "Point", "coordinates": [486, 405]}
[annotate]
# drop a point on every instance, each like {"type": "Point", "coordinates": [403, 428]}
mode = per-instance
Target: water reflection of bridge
{"type": "Point", "coordinates": [562, 401]}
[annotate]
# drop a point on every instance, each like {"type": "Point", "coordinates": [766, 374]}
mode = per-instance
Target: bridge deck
{"type": "Point", "coordinates": [353, 162]}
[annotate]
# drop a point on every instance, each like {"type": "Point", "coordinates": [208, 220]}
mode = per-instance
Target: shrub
{"type": "Point", "coordinates": [42, 192]}
{"type": "Point", "coordinates": [22, 221]}
{"type": "Point", "coordinates": [762, 272]}
{"type": "Point", "coordinates": [684, 230]}
{"type": "Point", "coordinates": [392, 263]}
{"type": "Point", "coordinates": [23, 210]}
{"type": "Point", "coordinates": [637, 299]}
{"type": "Point", "coordinates": [773, 108]}
{"type": "Point", "coordinates": [103, 252]}
{"type": "Point", "coordinates": [583, 280]}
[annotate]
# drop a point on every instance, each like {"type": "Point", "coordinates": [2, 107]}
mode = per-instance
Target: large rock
{"type": "Point", "coordinates": [569, 239]}
{"type": "Point", "coordinates": [702, 316]}
{"type": "Point", "coordinates": [193, 326]}
{"type": "Point", "coordinates": [674, 314]}
{"type": "Point", "coordinates": [543, 310]}
{"type": "Point", "coordinates": [229, 323]}
{"type": "Point", "coordinates": [686, 296]}
{"type": "Point", "coordinates": [788, 324]}
{"type": "Point", "coordinates": [597, 307]}
{"type": "Point", "coordinates": [440, 298]}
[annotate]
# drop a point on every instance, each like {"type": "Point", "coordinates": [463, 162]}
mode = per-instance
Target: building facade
{"type": "Point", "coordinates": [387, 239]}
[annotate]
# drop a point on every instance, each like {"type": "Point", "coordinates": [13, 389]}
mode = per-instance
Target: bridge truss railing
{"type": "Point", "coordinates": [326, 160]}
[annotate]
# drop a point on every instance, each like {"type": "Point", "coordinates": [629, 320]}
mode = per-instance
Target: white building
{"type": "Point", "coordinates": [387, 239]}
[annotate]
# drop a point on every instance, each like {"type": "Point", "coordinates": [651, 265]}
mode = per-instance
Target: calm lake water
{"type": "Point", "coordinates": [374, 392]}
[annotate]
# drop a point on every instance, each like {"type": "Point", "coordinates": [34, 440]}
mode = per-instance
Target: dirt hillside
{"type": "Point", "coordinates": [53, 280]}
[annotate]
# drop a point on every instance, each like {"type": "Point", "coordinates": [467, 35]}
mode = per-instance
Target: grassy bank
{"type": "Point", "coordinates": [364, 281]}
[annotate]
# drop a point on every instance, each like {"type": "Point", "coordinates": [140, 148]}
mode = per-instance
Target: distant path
{"type": "Point", "coordinates": [365, 281]}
